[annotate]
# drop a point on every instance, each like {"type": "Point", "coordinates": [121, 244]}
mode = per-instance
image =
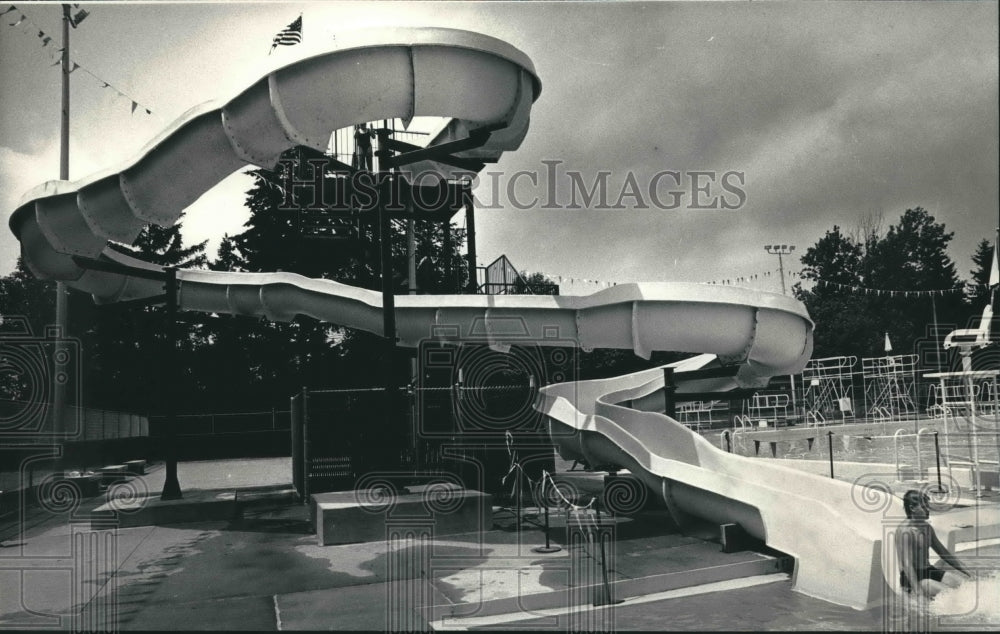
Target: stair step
{"type": "Point", "coordinates": [585, 595]}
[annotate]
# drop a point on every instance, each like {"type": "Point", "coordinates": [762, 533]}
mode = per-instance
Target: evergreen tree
{"type": "Point", "coordinates": [983, 259]}
{"type": "Point", "coordinates": [24, 295]}
{"type": "Point", "coordinates": [835, 266]}
{"type": "Point", "coordinates": [849, 300]}
{"type": "Point", "coordinates": [267, 361]}
{"type": "Point", "coordinates": [123, 346]}
{"type": "Point", "coordinates": [913, 256]}
{"type": "Point", "coordinates": [164, 246]}
{"type": "Point", "coordinates": [835, 258]}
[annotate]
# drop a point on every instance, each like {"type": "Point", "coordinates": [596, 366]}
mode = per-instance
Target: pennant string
{"type": "Point", "coordinates": [973, 288]}
{"type": "Point", "coordinates": [47, 39]}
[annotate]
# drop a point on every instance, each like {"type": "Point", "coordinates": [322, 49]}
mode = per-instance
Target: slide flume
{"type": "Point", "coordinates": [475, 82]}
{"type": "Point", "coordinates": [472, 80]}
{"type": "Point", "coordinates": [835, 530]}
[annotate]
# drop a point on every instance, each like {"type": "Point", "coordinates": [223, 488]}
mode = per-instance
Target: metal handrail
{"type": "Point", "coordinates": [920, 466]}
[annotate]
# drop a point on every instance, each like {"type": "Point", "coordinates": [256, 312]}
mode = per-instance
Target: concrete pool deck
{"type": "Point", "coordinates": [264, 570]}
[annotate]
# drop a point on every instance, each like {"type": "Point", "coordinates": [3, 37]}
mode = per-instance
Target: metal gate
{"type": "Point", "coordinates": [341, 436]}
{"type": "Point", "coordinates": [325, 445]}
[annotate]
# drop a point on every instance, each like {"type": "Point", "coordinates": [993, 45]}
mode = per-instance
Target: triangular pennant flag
{"type": "Point", "coordinates": [79, 17]}
{"type": "Point", "coordinates": [9, 9]}
{"type": "Point", "coordinates": [75, 66]}
{"type": "Point", "coordinates": [46, 40]}
{"type": "Point", "coordinates": [810, 442]}
{"type": "Point", "coordinates": [56, 63]}
{"type": "Point", "coordinates": [888, 344]}
{"type": "Point", "coordinates": [134, 104]}
{"type": "Point", "coordinates": [148, 112]}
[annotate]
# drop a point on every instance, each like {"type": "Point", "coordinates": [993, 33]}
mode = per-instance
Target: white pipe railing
{"type": "Point", "coordinates": [920, 467]}
{"type": "Point", "coordinates": [895, 452]}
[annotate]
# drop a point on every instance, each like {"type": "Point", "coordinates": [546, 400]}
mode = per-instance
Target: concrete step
{"type": "Point", "coordinates": [346, 517]}
{"type": "Point", "coordinates": [607, 618]}
{"type": "Point", "coordinates": [586, 594]}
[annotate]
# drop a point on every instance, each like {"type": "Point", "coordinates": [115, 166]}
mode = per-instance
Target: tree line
{"type": "Point", "coordinates": [862, 284]}
{"type": "Point", "coordinates": [232, 363]}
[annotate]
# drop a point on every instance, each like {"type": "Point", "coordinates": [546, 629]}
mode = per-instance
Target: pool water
{"type": "Point", "coordinates": [973, 602]}
{"type": "Point", "coordinates": [875, 443]}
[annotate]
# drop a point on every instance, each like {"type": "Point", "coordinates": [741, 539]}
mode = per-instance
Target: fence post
{"type": "Point", "coordinates": [829, 436]}
{"type": "Point", "coordinates": [305, 444]}
{"type": "Point", "coordinates": [937, 455]}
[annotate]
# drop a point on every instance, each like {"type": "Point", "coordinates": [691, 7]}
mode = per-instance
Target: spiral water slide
{"type": "Point", "coordinates": [475, 82]}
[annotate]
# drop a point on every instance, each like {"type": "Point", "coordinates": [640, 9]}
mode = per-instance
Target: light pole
{"type": "Point", "coordinates": [780, 250]}
{"type": "Point", "coordinates": [62, 309]}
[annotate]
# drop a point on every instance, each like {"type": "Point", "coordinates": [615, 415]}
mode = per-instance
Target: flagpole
{"type": "Point", "coordinates": [64, 128]}
{"type": "Point", "coordinates": [62, 308]}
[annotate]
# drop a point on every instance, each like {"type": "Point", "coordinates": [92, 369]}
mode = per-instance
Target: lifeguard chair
{"type": "Point", "coordinates": [969, 339]}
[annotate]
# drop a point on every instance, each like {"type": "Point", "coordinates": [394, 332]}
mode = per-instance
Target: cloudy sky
{"type": "Point", "coordinates": [823, 113]}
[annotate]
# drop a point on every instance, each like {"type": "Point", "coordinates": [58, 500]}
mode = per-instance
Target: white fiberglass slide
{"type": "Point", "coordinates": [471, 79]}
{"type": "Point", "coordinates": [474, 81]}
{"type": "Point", "coordinates": [837, 531]}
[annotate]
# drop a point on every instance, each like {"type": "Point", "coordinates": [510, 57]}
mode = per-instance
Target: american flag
{"type": "Point", "coordinates": [291, 34]}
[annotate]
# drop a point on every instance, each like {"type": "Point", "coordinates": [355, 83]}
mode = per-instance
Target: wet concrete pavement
{"type": "Point", "coordinates": [264, 570]}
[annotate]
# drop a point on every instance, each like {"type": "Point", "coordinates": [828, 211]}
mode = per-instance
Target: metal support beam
{"type": "Point", "coordinates": [709, 373]}
{"type": "Point", "coordinates": [433, 154]}
{"type": "Point", "coordinates": [470, 241]}
{"type": "Point", "coordinates": [448, 271]}
{"type": "Point", "coordinates": [171, 487]}
{"type": "Point", "coordinates": [383, 156]}
{"type": "Point", "coordinates": [443, 153]}
{"type": "Point", "coordinates": [109, 266]}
